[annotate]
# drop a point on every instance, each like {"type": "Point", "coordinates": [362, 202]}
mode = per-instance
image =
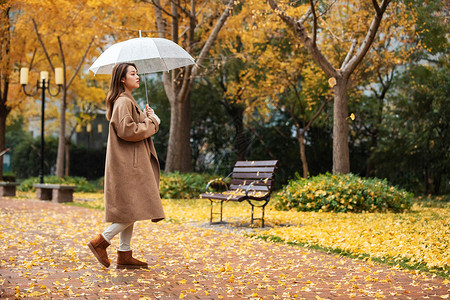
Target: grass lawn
{"type": "Point", "coordinates": [417, 240]}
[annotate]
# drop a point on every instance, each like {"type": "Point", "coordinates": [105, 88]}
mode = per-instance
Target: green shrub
{"type": "Point", "coordinates": [183, 186]}
{"type": "Point", "coordinates": [82, 184]}
{"type": "Point", "coordinates": [342, 193]}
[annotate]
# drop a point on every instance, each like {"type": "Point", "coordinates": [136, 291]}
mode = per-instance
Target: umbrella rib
{"type": "Point", "coordinates": [160, 57]}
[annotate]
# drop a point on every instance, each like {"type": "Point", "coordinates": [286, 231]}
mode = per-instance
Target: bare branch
{"type": "Point", "coordinates": [201, 8]}
{"type": "Point", "coordinates": [80, 63]}
{"type": "Point", "coordinates": [42, 44]}
{"type": "Point", "coordinates": [377, 8]}
{"type": "Point", "coordinates": [160, 25]}
{"type": "Point", "coordinates": [32, 58]}
{"type": "Point", "coordinates": [182, 8]}
{"type": "Point", "coordinates": [316, 115]}
{"type": "Point", "coordinates": [186, 86]}
{"type": "Point", "coordinates": [305, 16]}
{"type": "Point", "coordinates": [380, 78]}
{"type": "Point", "coordinates": [331, 31]}
{"type": "Point", "coordinates": [174, 23]}
{"type": "Point", "coordinates": [313, 10]}
{"type": "Point", "coordinates": [158, 5]}
{"type": "Point", "coordinates": [350, 53]}
{"type": "Point", "coordinates": [374, 91]}
{"type": "Point", "coordinates": [212, 37]}
{"type": "Point", "coordinates": [328, 8]}
{"type": "Point", "coordinates": [368, 40]}
{"type": "Point", "coordinates": [301, 32]}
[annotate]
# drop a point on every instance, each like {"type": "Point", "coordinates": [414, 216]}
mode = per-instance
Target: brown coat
{"type": "Point", "coordinates": [132, 166]}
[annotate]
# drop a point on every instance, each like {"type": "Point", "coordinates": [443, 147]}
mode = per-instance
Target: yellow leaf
{"type": "Point", "coordinates": [182, 296]}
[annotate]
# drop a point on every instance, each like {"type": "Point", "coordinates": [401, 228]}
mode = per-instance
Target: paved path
{"type": "Point", "coordinates": [43, 255]}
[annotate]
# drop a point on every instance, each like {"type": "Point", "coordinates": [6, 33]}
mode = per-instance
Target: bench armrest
{"type": "Point", "coordinates": [216, 180]}
{"type": "Point", "coordinates": [248, 188]}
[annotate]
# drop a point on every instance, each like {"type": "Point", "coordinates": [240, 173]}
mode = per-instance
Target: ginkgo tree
{"type": "Point", "coordinates": [355, 27]}
{"type": "Point", "coordinates": [71, 40]}
{"type": "Point", "coordinates": [195, 25]}
{"type": "Point", "coordinates": [13, 48]}
{"type": "Point", "coordinates": [64, 42]}
{"type": "Point", "coordinates": [5, 71]}
{"type": "Point", "coordinates": [272, 73]}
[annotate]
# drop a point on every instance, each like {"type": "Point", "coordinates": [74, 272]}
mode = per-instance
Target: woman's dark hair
{"type": "Point", "coordinates": [116, 86]}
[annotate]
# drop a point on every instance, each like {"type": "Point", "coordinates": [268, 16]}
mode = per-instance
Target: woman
{"type": "Point", "coordinates": [131, 169]}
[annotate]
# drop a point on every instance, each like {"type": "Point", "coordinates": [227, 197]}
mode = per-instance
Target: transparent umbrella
{"type": "Point", "coordinates": [150, 55]}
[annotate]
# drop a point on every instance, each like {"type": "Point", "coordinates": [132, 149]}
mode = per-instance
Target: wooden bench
{"type": "Point", "coordinates": [251, 181]}
{"type": "Point", "coordinates": [55, 192]}
{"type": "Point", "coordinates": [8, 188]}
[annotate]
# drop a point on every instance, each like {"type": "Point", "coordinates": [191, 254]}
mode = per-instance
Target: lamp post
{"type": "Point", "coordinates": [43, 84]}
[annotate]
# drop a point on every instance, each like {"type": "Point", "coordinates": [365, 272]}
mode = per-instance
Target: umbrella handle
{"type": "Point", "coordinates": [145, 84]}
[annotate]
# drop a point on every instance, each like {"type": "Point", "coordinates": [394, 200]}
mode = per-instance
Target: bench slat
{"type": "Point", "coordinates": [253, 187]}
{"type": "Point", "coordinates": [259, 163]}
{"type": "Point", "coordinates": [252, 175]}
{"type": "Point", "coordinates": [254, 170]}
{"type": "Point", "coordinates": [228, 197]}
{"type": "Point", "coordinates": [248, 181]}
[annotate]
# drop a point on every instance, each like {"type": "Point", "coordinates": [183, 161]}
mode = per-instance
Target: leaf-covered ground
{"type": "Point", "coordinates": [419, 239]}
{"type": "Point", "coordinates": [43, 255]}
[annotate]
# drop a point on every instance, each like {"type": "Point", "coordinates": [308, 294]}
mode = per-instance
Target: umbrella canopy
{"type": "Point", "coordinates": [150, 55]}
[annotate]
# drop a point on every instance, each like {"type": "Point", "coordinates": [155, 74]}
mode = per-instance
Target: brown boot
{"type": "Point", "coordinates": [98, 247]}
{"type": "Point", "coordinates": [125, 260]}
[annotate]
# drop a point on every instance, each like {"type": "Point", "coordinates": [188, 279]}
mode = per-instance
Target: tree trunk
{"type": "Point", "coordinates": [62, 136]}
{"type": "Point", "coordinates": [4, 111]}
{"type": "Point", "coordinates": [67, 157]}
{"type": "Point", "coordinates": [341, 159]}
{"type": "Point", "coordinates": [179, 150]}
{"type": "Point", "coordinates": [301, 142]}
{"type": "Point", "coordinates": [3, 114]}
{"type": "Point", "coordinates": [4, 80]}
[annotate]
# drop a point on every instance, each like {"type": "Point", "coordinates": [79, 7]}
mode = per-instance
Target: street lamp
{"type": "Point", "coordinates": [43, 84]}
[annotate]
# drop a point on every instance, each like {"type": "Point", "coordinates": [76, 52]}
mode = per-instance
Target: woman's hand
{"type": "Point", "coordinates": [148, 111]}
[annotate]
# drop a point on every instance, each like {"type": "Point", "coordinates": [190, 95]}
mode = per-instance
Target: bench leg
{"type": "Point", "coordinates": [62, 195]}
{"type": "Point", "coordinates": [43, 194]}
{"type": "Point", "coordinates": [262, 218]}
{"type": "Point", "coordinates": [262, 212]}
{"type": "Point", "coordinates": [7, 191]}
{"type": "Point", "coordinates": [211, 216]}
{"type": "Point", "coordinates": [213, 213]}
{"type": "Point", "coordinates": [253, 207]}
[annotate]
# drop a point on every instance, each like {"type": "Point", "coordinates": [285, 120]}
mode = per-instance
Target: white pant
{"type": "Point", "coordinates": [125, 231]}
